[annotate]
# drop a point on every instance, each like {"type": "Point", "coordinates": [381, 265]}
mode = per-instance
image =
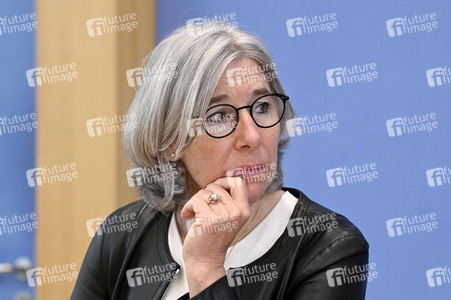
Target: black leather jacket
{"type": "Point", "coordinates": [304, 263]}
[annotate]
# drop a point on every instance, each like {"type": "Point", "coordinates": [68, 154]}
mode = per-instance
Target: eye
{"type": "Point", "coordinates": [216, 117]}
{"type": "Point", "coordinates": [262, 107]}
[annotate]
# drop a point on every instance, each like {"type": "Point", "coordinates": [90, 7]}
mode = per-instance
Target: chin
{"type": "Point", "coordinates": [255, 191]}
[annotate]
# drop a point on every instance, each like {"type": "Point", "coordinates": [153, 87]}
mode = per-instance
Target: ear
{"type": "Point", "coordinates": [170, 153]}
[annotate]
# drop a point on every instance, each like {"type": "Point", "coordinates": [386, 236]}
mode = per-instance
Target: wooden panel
{"type": "Point", "coordinates": [101, 90]}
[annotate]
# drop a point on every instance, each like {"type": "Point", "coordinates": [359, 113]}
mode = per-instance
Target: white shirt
{"type": "Point", "coordinates": [260, 240]}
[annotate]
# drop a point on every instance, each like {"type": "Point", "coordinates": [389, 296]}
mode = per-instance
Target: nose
{"type": "Point", "coordinates": [247, 133]}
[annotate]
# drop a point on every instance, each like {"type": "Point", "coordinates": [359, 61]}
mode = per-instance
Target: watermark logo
{"type": "Point", "coordinates": [108, 125]}
{"type": "Point", "coordinates": [318, 223]}
{"type": "Point", "coordinates": [93, 226]}
{"type": "Point", "coordinates": [18, 223]}
{"type": "Point", "coordinates": [438, 276]}
{"type": "Point", "coordinates": [198, 26]}
{"type": "Point", "coordinates": [18, 123]}
{"type": "Point", "coordinates": [210, 225]}
{"type": "Point", "coordinates": [112, 224]}
{"type": "Point", "coordinates": [18, 23]}
{"type": "Point", "coordinates": [194, 126]}
{"type": "Point", "coordinates": [107, 25]}
{"type": "Point", "coordinates": [438, 176]}
{"type": "Point", "coordinates": [239, 76]}
{"type": "Point", "coordinates": [313, 24]}
{"type": "Point", "coordinates": [148, 176]}
{"type": "Point", "coordinates": [349, 275]}
{"type": "Point", "coordinates": [411, 25]}
{"type": "Point", "coordinates": [410, 225]}
{"type": "Point", "coordinates": [149, 275]}
{"type": "Point", "coordinates": [250, 275]}
{"type": "Point", "coordinates": [410, 125]}
{"type": "Point", "coordinates": [349, 175]}
{"type": "Point", "coordinates": [53, 74]}
{"type": "Point", "coordinates": [311, 124]}
{"type": "Point", "coordinates": [46, 175]}
{"type": "Point", "coordinates": [351, 75]}
{"type": "Point", "coordinates": [253, 174]}
{"type": "Point", "coordinates": [438, 76]}
{"type": "Point", "coordinates": [136, 76]}
{"type": "Point", "coordinates": [227, 123]}
{"type": "Point", "coordinates": [53, 274]}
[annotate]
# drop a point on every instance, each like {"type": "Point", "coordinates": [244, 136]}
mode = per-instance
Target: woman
{"type": "Point", "coordinates": [215, 222]}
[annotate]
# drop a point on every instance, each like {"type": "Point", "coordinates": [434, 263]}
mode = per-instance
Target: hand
{"type": "Point", "coordinates": [216, 226]}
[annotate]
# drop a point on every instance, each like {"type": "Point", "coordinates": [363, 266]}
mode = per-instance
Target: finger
{"type": "Point", "coordinates": [197, 205]}
{"type": "Point", "coordinates": [236, 186]}
{"type": "Point", "coordinates": [238, 192]}
{"type": "Point", "coordinates": [225, 199]}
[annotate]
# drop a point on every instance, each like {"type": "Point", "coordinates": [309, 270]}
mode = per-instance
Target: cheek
{"type": "Point", "coordinates": [202, 155]}
{"type": "Point", "coordinates": [202, 150]}
{"type": "Point", "coordinates": [271, 141]}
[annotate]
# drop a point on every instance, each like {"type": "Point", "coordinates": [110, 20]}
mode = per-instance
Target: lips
{"type": "Point", "coordinates": [247, 170]}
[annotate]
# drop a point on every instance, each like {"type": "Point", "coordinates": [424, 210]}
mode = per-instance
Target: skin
{"type": "Point", "coordinates": [207, 161]}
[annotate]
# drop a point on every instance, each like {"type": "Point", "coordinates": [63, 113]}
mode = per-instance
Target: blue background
{"type": "Point", "coordinates": [362, 109]}
{"type": "Point", "coordinates": [17, 150]}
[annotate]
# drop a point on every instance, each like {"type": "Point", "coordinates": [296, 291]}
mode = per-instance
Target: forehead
{"type": "Point", "coordinates": [243, 76]}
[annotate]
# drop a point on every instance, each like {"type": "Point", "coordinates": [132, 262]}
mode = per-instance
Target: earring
{"type": "Point", "coordinates": [172, 155]}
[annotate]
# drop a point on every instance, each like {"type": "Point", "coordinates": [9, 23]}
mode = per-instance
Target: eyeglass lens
{"type": "Point", "coordinates": [221, 120]}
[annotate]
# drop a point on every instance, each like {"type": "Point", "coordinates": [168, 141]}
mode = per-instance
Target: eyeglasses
{"type": "Point", "coordinates": [266, 111]}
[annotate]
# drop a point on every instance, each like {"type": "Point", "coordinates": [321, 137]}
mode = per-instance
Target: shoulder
{"type": "Point", "coordinates": [314, 224]}
{"type": "Point", "coordinates": [129, 221]}
{"type": "Point", "coordinates": [123, 230]}
{"type": "Point", "coordinates": [323, 241]}
{"type": "Point", "coordinates": [134, 208]}
{"type": "Point", "coordinates": [139, 211]}
{"type": "Point", "coordinates": [113, 246]}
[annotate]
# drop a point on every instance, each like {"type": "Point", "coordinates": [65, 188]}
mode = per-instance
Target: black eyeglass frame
{"type": "Point", "coordinates": [284, 98]}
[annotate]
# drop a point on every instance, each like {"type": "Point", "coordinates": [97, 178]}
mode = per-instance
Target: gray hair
{"type": "Point", "coordinates": [179, 78]}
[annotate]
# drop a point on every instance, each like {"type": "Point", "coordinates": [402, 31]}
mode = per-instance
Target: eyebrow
{"type": "Point", "coordinates": [255, 93]}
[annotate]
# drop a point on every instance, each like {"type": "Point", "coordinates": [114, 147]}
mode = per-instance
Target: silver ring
{"type": "Point", "coordinates": [214, 198]}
